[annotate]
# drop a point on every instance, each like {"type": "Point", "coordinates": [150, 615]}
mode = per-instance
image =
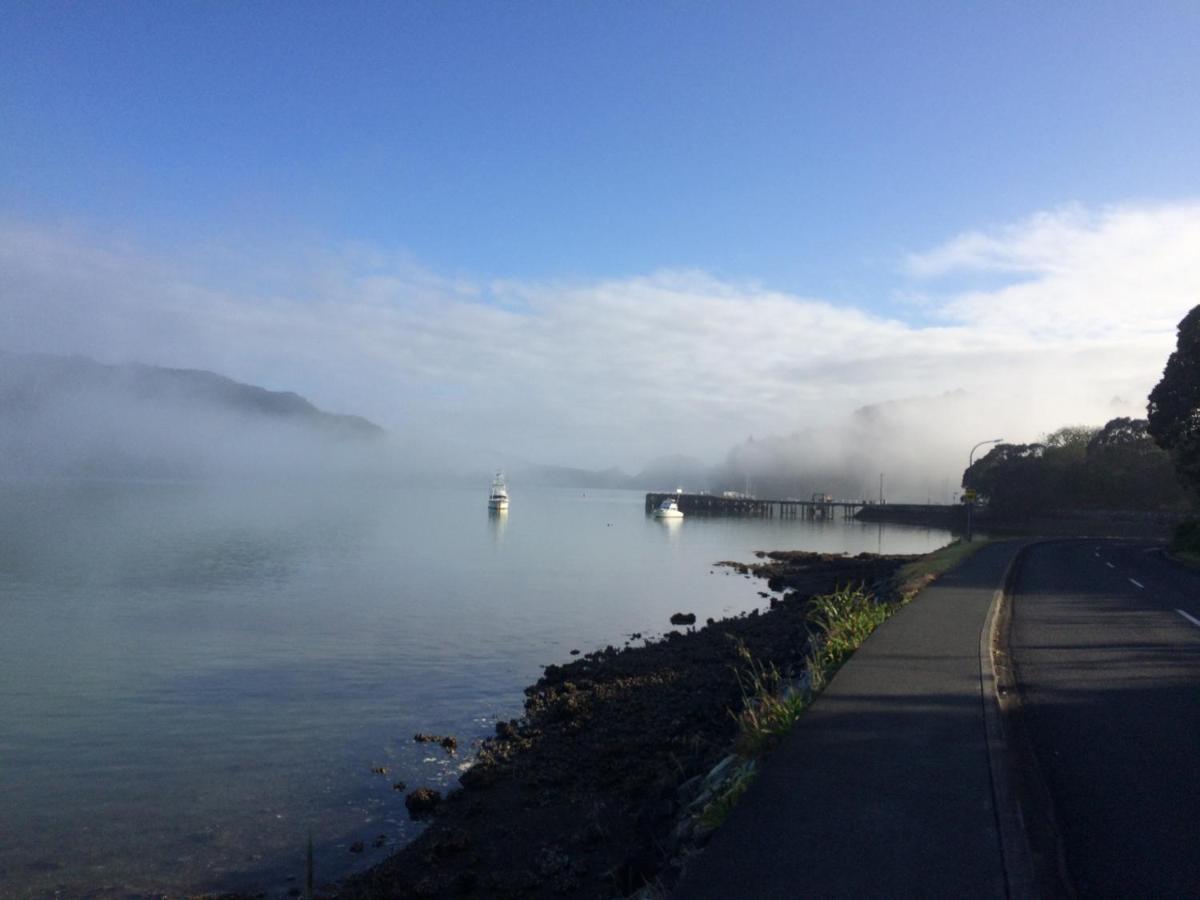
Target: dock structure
{"type": "Point", "coordinates": [821, 506]}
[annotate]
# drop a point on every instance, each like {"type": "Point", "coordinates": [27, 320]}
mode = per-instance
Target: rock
{"type": "Point", "coordinates": [574, 652]}
{"type": "Point", "coordinates": [465, 882]}
{"type": "Point", "coordinates": [398, 785]}
{"type": "Point", "coordinates": [687, 791]}
{"type": "Point", "coordinates": [448, 743]}
{"type": "Point", "coordinates": [422, 802]}
{"type": "Point", "coordinates": [551, 861]}
{"type": "Point", "coordinates": [683, 619]}
{"type": "Point", "coordinates": [378, 770]}
{"type": "Point", "coordinates": [449, 841]}
{"type": "Point", "coordinates": [357, 847]}
{"type": "Point", "coordinates": [506, 730]}
{"type": "Point", "coordinates": [480, 775]}
{"type": "Point", "coordinates": [720, 771]}
{"type": "Point", "coordinates": [380, 840]}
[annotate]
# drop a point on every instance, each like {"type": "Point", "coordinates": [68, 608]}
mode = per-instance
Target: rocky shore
{"type": "Point", "coordinates": [584, 795]}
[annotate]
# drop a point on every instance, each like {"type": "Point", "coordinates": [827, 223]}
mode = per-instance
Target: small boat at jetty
{"type": "Point", "coordinates": [498, 498]}
{"type": "Point", "coordinates": [668, 509]}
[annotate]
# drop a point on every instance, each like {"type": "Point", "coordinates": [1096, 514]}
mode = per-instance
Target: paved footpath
{"type": "Point", "coordinates": [884, 787]}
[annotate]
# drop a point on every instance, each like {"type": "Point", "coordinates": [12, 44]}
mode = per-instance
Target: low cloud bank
{"type": "Point", "coordinates": [1065, 317]}
{"type": "Point", "coordinates": [72, 417]}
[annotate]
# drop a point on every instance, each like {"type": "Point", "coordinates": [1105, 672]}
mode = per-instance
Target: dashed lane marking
{"type": "Point", "coordinates": [1110, 565]}
{"type": "Point", "coordinates": [1191, 619]}
{"type": "Point", "coordinates": [1137, 583]}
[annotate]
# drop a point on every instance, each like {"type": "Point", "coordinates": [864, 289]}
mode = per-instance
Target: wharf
{"type": "Point", "coordinates": [819, 507]}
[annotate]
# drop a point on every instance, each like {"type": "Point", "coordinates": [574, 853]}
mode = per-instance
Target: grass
{"type": "Point", "coordinates": [843, 619]}
{"type": "Point", "coordinates": [920, 572]}
{"type": "Point", "coordinates": [769, 708]}
{"type": "Point", "coordinates": [716, 812]}
{"type": "Point", "coordinates": [841, 622]}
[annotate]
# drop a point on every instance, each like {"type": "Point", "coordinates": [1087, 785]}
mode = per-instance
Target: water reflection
{"type": "Point", "coordinates": [497, 522]}
{"type": "Point", "coordinates": [671, 527]}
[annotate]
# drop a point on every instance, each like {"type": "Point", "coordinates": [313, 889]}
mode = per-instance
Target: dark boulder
{"type": "Point", "coordinates": [422, 802]}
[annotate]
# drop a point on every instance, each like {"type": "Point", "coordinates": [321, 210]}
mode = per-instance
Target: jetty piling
{"type": "Point", "coordinates": [821, 506]}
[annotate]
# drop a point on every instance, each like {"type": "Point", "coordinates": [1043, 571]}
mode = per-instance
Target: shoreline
{"type": "Point", "coordinates": [581, 796]}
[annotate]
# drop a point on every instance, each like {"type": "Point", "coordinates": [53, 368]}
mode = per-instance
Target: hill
{"type": "Point", "coordinates": [73, 416]}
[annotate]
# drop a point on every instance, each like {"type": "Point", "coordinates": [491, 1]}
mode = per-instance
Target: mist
{"type": "Point", "coordinates": [70, 417]}
{"type": "Point", "coordinates": [1065, 317]}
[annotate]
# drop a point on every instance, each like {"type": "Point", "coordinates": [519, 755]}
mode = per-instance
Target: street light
{"type": "Point", "coordinates": [971, 496]}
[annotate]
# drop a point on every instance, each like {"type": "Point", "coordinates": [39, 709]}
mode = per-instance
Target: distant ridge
{"type": "Point", "coordinates": [30, 382]}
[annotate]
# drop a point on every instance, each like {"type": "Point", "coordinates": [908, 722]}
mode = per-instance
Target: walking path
{"type": "Point", "coordinates": [884, 788]}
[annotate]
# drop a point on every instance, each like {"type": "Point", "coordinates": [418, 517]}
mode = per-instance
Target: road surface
{"type": "Point", "coordinates": [1106, 643]}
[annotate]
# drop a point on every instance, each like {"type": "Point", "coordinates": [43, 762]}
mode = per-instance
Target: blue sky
{"type": "Point", "coordinates": [901, 165]}
{"type": "Point", "coordinates": [804, 145]}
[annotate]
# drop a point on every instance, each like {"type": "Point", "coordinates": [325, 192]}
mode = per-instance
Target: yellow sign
{"type": "Point", "coordinates": [969, 495]}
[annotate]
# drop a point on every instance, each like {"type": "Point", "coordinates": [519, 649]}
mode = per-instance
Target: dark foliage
{"type": "Point", "coordinates": [1187, 538]}
{"type": "Point", "coordinates": [1174, 409]}
{"type": "Point", "coordinates": [1118, 466]}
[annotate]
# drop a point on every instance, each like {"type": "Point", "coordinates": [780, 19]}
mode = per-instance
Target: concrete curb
{"type": "Point", "coordinates": [1025, 809]}
{"type": "Point", "coordinates": [1019, 871]}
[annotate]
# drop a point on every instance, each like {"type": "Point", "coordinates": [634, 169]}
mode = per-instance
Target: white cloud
{"type": "Point", "coordinates": [617, 371]}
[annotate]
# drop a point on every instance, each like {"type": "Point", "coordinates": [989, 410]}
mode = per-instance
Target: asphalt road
{"type": "Point", "coordinates": [883, 789]}
{"type": "Point", "coordinates": [1106, 642]}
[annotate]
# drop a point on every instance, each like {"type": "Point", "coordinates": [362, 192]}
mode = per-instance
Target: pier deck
{"type": "Point", "coordinates": [752, 507]}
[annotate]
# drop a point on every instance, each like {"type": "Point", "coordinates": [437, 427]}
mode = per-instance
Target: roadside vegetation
{"type": "Point", "coordinates": [1118, 466]}
{"type": "Point", "coordinates": [1174, 421]}
{"type": "Point", "coordinates": [839, 622]}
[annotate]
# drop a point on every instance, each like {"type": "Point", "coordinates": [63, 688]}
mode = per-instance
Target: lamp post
{"type": "Point", "coordinates": [971, 496]}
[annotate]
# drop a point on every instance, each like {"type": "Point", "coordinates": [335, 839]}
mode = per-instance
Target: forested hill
{"type": "Point", "coordinates": [31, 383]}
{"type": "Point", "coordinates": [74, 417]}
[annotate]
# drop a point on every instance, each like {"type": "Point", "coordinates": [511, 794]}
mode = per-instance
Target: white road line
{"type": "Point", "coordinates": [1110, 565]}
{"type": "Point", "coordinates": [1137, 583]}
{"type": "Point", "coordinates": [1191, 619]}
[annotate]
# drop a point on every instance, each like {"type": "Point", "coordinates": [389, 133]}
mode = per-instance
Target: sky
{"type": "Point", "coordinates": [593, 233]}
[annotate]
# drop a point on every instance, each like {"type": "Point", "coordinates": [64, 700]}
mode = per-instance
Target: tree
{"type": "Point", "coordinates": [1115, 467]}
{"type": "Point", "coordinates": [1124, 433]}
{"type": "Point", "coordinates": [1174, 409]}
{"type": "Point", "coordinates": [1070, 437]}
{"type": "Point", "coordinates": [1128, 470]}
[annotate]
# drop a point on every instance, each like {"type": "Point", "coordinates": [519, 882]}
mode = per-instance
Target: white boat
{"type": "Point", "coordinates": [668, 509]}
{"type": "Point", "coordinates": [498, 498]}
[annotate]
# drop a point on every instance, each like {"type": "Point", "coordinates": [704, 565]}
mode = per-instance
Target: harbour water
{"type": "Point", "coordinates": [195, 678]}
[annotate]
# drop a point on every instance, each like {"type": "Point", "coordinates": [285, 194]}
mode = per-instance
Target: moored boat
{"type": "Point", "coordinates": [668, 509]}
{"type": "Point", "coordinates": [498, 497]}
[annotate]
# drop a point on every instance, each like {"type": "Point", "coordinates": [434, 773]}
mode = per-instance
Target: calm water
{"type": "Point", "coordinates": [194, 678]}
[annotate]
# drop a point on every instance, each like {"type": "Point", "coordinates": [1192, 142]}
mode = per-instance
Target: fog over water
{"type": "Point", "coordinates": [283, 285]}
{"type": "Point", "coordinates": [1008, 333]}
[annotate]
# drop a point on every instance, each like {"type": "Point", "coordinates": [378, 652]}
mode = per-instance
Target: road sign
{"type": "Point", "coordinates": [969, 495]}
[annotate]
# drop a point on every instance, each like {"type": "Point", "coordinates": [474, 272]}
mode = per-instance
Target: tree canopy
{"type": "Point", "coordinates": [1174, 409]}
{"type": "Point", "coordinates": [1118, 466]}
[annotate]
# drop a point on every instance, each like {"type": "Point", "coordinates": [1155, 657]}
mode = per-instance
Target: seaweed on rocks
{"type": "Point", "coordinates": [582, 795]}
